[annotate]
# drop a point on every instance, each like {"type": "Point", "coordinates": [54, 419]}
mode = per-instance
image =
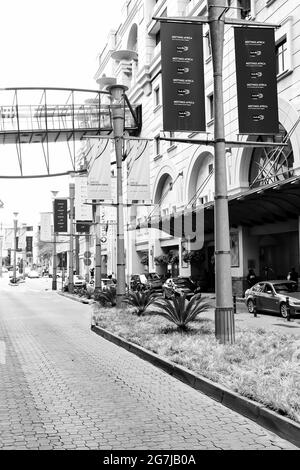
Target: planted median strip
{"type": "Point", "coordinates": [258, 376]}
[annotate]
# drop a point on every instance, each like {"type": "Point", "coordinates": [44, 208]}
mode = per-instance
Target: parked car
{"type": "Point", "coordinates": [107, 283]}
{"type": "Point", "coordinates": [19, 277]}
{"type": "Point", "coordinates": [271, 297]}
{"type": "Point", "coordinates": [78, 281]}
{"type": "Point", "coordinates": [138, 282]}
{"type": "Point", "coordinates": [33, 274]}
{"type": "Point", "coordinates": [155, 281]}
{"type": "Point", "coordinates": [174, 286]}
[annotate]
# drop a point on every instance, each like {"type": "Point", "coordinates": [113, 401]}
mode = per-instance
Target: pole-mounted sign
{"type": "Point", "coordinates": [182, 77]}
{"type": "Point", "coordinates": [28, 245]}
{"type": "Point", "coordinates": [83, 226]}
{"type": "Point", "coordinates": [60, 215]}
{"type": "Point", "coordinates": [256, 80]}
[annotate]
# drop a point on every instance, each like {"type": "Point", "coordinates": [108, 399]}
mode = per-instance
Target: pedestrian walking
{"type": "Point", "coordinates": [293, 275]}
{"type": "Point", "coordinates": [251, 278]}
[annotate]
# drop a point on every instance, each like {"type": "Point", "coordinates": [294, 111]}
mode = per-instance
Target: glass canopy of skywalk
{"type": "Point", "coordinates": [53, 117]}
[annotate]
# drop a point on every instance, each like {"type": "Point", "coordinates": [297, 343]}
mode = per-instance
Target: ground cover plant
{"type": "Point", "coordinates": [180, 311]}
{"type": "Point", "coordinates": [261, 365]}
{"type": "Point", "coordinates": [140, 300]}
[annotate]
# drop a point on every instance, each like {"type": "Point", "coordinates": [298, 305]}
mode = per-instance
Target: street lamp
{"type": "Point", "coordinates": [117, 109]}
{"type": "Point", "coordinates": [71, 264]}
{"type": "Point", "coordinates": [54, 262]}
{"type": "Point", "coordinates": [224, 318]}
{"type": "Point", "coordinates": [14, 278]}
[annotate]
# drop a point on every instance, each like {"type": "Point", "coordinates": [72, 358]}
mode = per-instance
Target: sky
{"type": "Point", "coordinates": [47, 43]}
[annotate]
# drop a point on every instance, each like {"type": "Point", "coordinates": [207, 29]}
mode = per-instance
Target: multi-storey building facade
{"type": "Point", "coordinates": [263, 183]}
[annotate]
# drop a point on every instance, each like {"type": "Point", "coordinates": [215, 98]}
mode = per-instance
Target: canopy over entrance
{"type": "Point", "coordinates": [276, 202]}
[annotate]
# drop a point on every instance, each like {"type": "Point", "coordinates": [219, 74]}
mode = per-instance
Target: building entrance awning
{"type": "Point", "coordinates": [276, 202]}
{"type": "Point", "coordinates": [272, 203]}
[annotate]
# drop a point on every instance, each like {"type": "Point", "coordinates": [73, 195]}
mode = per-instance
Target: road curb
{"type": "Point", "coordinates": [77, 299]}
{"type": "Point", "coordinates": [280, 425]}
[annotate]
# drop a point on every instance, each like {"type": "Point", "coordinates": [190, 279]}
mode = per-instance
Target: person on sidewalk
{"type": "Point", "coordinates": [251, 278]}
{"type": "Point", "coordinates": [293, 275]}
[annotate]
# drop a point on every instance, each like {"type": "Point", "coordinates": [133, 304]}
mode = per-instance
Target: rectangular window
{"type": "Point", "coordinates": [157, 145]}
{"type": "Point", "coordinates": [208, 44]}
{"type": "Point", "coordinates": [157, 38]}
{"type": "Point", "coordinates": [281, 56]}
{"type": "Point", "coordinates": [211, 106]}
{"type": "Point", "coordinates": [156, 96]}
{"type": "Point", "coordinates": [245, 8]}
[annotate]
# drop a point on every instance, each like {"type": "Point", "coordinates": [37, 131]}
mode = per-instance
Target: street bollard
{"type": "Point", "coordinates": [254, 310]}
{"type": "Point", "coordinates": [234, 303]}
{"type": "Point", "coordinates": [288, 309]}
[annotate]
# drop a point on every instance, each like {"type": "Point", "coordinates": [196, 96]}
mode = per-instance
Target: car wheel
{"type": "Point", "coordinates": [283, 310]}
{"type": "Point", "coordinates": [250, 306]}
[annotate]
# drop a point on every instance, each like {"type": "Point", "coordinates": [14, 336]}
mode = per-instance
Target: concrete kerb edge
{"type": "Point", "coordinates": [72, 297]}
{"type": "Point", "coordinates": [257, 412]}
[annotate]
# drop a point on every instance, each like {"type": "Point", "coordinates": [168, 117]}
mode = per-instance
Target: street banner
{"type": "Point", "coordinates": [8, 242]}
{"type": "Point", "coordinates": [182, 77]}
{"type": "Point", "coordinates": [256, 80]}
{"type": "Point", "coordinates": [60, 215]}
{"type": "Point", "coordinates": [46, 222]}
{"type": "Point", "coordinates": [22, 238]}
{"type": "Point", "coordinates": [138, 171]}
{"type": "Point", "coordinates": [99, 172]}
{"type": "Point", "coordinates": [82, 211]}
{"type": "Point", "coordinates": [83, 227]}
{"type": "Point", "coordinates": [28, 245]}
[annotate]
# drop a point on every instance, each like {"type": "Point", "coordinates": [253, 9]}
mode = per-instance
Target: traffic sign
{"type": "Point", "coordinates": [87, 261]}
{"type": "Point", "coordinates": [87, 254]}
{"type": "Point", "coordinates": [103, 239]}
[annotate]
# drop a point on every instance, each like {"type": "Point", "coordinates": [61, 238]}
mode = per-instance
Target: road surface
{"type": "Point", "coordinates": [64, 387]}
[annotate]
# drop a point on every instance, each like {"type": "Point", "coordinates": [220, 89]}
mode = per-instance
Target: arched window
{"type": "Point", "coordinates": [271, 164]}
{"type": "Point", "coordinates": [133, 38]}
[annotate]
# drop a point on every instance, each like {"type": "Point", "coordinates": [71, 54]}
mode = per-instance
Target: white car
{"type": "Point", "coordinates": [78, 281]}
{"type": "Point", "coordinates": [33, 274]}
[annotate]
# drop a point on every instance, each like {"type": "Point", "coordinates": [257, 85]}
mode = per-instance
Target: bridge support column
{"type": "Point", "coordinates": [117, 109]}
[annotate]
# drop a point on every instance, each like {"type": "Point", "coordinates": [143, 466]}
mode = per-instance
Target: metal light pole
{"type": "Point", "coordinates": [54, 263]}
{"type": "Point", "coordinates": [71, 264]}
{"type": "Point", "coordinates": [14, 279]}
{"type": "Point", "coordinates": [117, 109]}
{"type": "Point", "coordinates": [98, 260]}
{"type": "Point", "coordinates": [224, 318]}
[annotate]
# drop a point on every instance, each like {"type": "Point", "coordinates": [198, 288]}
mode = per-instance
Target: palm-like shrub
{"type": "Point", "coordinates": [179, 310]}
{"type": "Point", "coordinates": [107, 297]}
{"type": "Point", "coordinates": [140, 300]}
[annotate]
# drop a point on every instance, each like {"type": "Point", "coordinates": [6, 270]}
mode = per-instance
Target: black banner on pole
{"type": "Point", "coordinates": [182, 77]}
{"type": "Point", "coordinates": [60, 215]}
{"type": "Point", "coordinates": [28, 244]}
{"type": "Point", "coordinates": [256, 80]}
{"type": "Point", "coordinates": [83, 226]}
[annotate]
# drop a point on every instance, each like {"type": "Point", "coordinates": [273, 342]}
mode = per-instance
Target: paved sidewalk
{"type": "Point", "coordinates": [63, 387]}
{"type": "Point", "coordinates": [266, 321]}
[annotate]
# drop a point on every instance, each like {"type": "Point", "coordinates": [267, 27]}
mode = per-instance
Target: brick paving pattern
{"type": "Point", "coordinates": [63, 387]}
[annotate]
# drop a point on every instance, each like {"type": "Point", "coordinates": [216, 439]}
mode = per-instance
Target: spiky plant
{"type": "Point", "coordinates": [140, 300]}
{"type": "Point", "coordinates": [179, 310]}
{"type": "Point", "coordinates": [107, 297]}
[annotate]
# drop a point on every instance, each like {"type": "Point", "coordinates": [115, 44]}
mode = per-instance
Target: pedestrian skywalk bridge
{"type": "Point", "coordinates": [56, 115]}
